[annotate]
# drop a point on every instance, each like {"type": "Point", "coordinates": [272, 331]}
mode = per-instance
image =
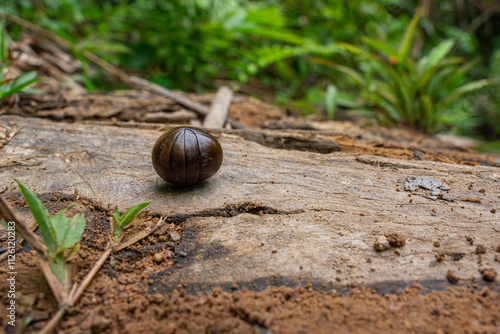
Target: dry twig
{"type": "Point", "coordinates": [219, 110]}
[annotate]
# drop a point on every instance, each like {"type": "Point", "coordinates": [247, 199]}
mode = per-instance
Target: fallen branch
{"type": "Point", "coordinates": [219, 110]}
{"type": "Point", "coordinates": [51, 325]}
{"type": "Point", "coordinates": [86, 281]}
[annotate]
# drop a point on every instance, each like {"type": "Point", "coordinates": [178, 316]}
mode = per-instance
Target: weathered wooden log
{"type": "Point", "coordinates": [274, 216]}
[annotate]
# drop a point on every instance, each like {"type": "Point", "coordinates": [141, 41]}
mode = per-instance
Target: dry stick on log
{"type": "Point", "coordinates": [179, 98]}
{"type": "Point", "coordinates": [220, 107]}
{"type": "Point", "coordinates": [131, 80]}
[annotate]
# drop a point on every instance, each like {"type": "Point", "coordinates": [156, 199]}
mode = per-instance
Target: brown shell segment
{"type": "Point", "coordinates": [183, 156]}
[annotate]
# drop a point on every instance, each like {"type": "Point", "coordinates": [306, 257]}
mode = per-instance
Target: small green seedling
{"type": "Point", "coordinates": [121, 222]}
{"type": "Point", "coordinates": [19, 84]}
{"type": "Point", "coordinates": [331, 98]}
{"type": "Point", "coordinates": [59, 234]}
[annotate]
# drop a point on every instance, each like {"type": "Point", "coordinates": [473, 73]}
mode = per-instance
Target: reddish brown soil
{"type": "Point", "coordinates": [117, 301]}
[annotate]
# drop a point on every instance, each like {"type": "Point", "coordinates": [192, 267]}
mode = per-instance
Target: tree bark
{"type": "Point", "coordinates": [274, 216]}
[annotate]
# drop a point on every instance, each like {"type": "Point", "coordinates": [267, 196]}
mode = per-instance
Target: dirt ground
{"type": "Point", "coordinates": [118, 300]}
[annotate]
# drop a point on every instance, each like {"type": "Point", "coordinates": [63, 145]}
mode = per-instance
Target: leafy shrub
{"type": "Point", "coordinates": [400, 88]}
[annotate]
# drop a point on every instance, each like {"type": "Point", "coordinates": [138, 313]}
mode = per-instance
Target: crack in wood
{"type": "Point", "coordinates": [233, 210]}
{"type": "Point", "coordinates": [308, 142]}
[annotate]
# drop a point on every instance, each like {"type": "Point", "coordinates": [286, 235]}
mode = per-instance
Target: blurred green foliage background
{"type": "Point", "coordinates": [277, 50]}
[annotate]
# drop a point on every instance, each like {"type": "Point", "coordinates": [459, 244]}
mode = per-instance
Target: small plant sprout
{"type": "Point", "coordinates": [61, 235]}
{"type": "Point", "coordinates": [119, 223]}
{"type": "Point", "coordinates": [331, 98]}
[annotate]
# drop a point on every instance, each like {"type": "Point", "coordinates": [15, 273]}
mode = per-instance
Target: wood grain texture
{"type": "Point", "coordinates": [272, 216]}
{"type": "Point", "coordinates": [217, 116]}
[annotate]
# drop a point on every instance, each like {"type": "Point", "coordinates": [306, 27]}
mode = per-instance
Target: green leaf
{"type": "Point", "coordinates": [331, 101]}
{"type": "Point", "coordinates": [268, 55]}
{"type": "Point", "coordinates": [4, 44]}
{"type": "Point", "coordinates": [24, 80]}
{"type": "Point", "coordinates": [466, 89]}
{"type": "Point", "coordinates": [489, 147]}
{"type": "Point", "coordinates": [4, 224]}
{"type": "Point", "coordinates": [425, 76]}
{"type": "Point", "coordinates": [277, 35]}
{"type": "Point", "coordinates": [68, 231]}
{"type": "Point", "coordinates": [116, 217]}
{"type": "Point", "coordinates": [42, 217]}
{"type": "Point", "coordinates": [457, 74]}
{"type": "Point", "coordinates": [97, 46]}
{"type": "Point", "coordinates": [129, 215]}
{"type": "Point", "coordinates": [60, 268]}
{"type": "Point", "coordinates": [73, 251]}
{"type": "Point", "coordinates": [438, 53]}
{"type": "Point", "coordinates": [404, 49]}
{"type": "Point", "coordinates": [344, 69]}
{"type": "Point", "coordinates": [437, 83]}
{"type": "Point", "coordinates": [389, 109]}
{"type": "Point", "coordinates": [428, 113]}
{"type": "Point", "coordinates": [388, 92]}
{"type": "Point", "coordinates": [59, 223]}
{"type": "Point", "coordinates": [19, 83]}
{"type": "Point", "coordinates": [74, 231]}
{"type": "Point", "coordinates": [348, 101]}
{"type": "Point", "coordinates": [381, 47]}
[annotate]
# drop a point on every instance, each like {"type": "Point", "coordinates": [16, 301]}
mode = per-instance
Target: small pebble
{"type": "Point", "coordinates": [158, 257]}
{"type": "Point", "coordinates": [175, 235]}
{"type": "Point", "coordinates": [381, 243]}
{"type": "Point", "coordinates": [440, 256]}
{"type": "Point", "coordinates": [489, 274]}
{"type": "Point", "coordinates": [452, 278]}
{"type": "Point", "coordinates": [480, 249]}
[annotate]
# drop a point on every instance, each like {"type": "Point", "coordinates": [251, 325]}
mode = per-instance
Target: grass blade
{"type": "Point", "coordinates": [428, 113]}
{"type": "Point", "coordinates": [4, 44]}
{"type": "Point", "coordinates": [468, 88]}
{"type": "Point", "coordinates": [331, 101]}
{"type": "Point", "coordinates": [381, 47]}
{"type": "Point", "coordinates": [404, 49]}
{"type": "Point", "coordinates": [22, 81]}
{"type": "Point", "coordinates": [344, 69]}
{"type": "Point", "coordinates": [129, 215]}
{"type": "Point", "coordinates": [42, 217]}
{"type": "Point", "coordinates": [439, 52]}
{"type": "Point", "coordinates": [116, 216]}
